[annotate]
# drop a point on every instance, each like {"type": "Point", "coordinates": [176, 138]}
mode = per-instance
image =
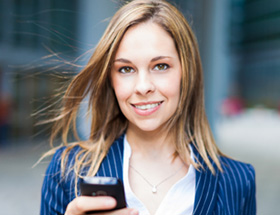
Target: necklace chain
{"type": "Point", "coordinates": [154, 187]}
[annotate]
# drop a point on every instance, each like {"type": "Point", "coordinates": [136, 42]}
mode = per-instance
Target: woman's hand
{"type": "Point", "coordinates": [82, 204]}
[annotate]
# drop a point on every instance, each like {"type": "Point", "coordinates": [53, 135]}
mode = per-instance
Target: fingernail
{"type": "Point", "coordinates": [133, 212]}
{"type": "Point", "coordinates": [110, 202]}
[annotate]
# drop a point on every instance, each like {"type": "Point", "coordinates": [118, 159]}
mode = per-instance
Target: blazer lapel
{"type": "Point", "coordinates": [206, 188]}
{"type": "Point", "coordinates": [112, 164]}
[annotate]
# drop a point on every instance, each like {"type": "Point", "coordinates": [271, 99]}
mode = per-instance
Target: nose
{"type": "Point", "coordinates": [144, 83]}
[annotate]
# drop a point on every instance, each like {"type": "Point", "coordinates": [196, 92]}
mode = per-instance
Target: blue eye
{"type": "Point", "coordinates": [161, 66]}
{"type": "Point", "coordinates": [126, 70]}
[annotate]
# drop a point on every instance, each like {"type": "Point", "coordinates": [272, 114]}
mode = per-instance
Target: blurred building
{"type": "Point", "coordinates": [256, 51]}
{"type": "Point", "coordinates": [27, 30]}
{"type": "Point", "coordinates": [41, 39]}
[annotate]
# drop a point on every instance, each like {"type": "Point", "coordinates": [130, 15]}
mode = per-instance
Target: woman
{"type": "Point", "coordinates": [148, 125]}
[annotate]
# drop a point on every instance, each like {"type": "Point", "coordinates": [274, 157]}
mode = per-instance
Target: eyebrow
{"type": "Point", "coordinates": [159, 58]}
{"type": "Point", "coordinates": [123, 60]}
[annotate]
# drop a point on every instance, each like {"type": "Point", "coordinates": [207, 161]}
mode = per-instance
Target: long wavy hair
{"type": "Point", "coordinates": [188, 124]}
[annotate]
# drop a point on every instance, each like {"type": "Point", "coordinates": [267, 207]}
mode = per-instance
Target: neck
{"type": "Point", "coordinates": [151, 144]}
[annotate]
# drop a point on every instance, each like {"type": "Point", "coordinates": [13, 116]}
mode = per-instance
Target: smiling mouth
{"type": "Point", "coordinates": [147, 106]}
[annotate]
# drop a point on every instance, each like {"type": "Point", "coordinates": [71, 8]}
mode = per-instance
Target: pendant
{"type": "Point", "coordinates": [154, 190]}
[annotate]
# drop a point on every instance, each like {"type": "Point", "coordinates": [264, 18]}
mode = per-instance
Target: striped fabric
{"type": "Point", "coordinates": [231, 192]}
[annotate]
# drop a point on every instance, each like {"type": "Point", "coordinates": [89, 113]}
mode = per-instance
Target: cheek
{"type": "Point", "coordinates": [173, 92]}
{"type": "Point", "coordinates": [121, 90]}
{"type": "Point", "coordinates": [171, 86]}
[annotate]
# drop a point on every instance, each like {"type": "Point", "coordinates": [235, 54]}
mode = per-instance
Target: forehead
{"type": "Point", "coordinates": [147, 36]}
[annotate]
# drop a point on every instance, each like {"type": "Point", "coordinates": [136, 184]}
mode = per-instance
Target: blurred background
{"type": "Point", "coordinates": [43, 40]}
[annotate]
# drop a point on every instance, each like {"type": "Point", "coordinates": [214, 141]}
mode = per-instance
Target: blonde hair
{"type": "Point", "coordinates": [189, 123]}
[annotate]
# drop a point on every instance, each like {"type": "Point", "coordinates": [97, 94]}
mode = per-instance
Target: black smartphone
{"type": "Point", "coordinates": [104, 186]}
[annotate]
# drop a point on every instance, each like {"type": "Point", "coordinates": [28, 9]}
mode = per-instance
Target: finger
{"type": "Point", "coordinates": [127, 211]}
{"type": "Point", "coordinates": [124, 211]}
{"type": "Point", "coordinates": [82, 204]}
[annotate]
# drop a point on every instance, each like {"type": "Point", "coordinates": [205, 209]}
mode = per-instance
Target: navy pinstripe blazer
{"type": "Point", "coordinates": [230, 192]}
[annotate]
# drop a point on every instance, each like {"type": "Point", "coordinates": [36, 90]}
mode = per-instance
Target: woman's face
{"type": "Point", "coordinates": [146, 76]}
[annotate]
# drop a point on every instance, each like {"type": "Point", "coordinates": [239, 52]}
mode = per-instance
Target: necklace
{"type": "Point", "coordinates": [154, 187]}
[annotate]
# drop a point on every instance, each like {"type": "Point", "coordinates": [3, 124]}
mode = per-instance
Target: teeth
{"type": "Point", "coordinates": [148, 106]}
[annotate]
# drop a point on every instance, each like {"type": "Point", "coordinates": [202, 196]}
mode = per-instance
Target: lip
{"type": "Point", "coordinates": [150, 108]}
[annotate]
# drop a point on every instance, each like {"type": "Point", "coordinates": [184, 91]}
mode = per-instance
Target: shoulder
{"type": "Point", "coordinates": [237, 169]}
{"type": "Point", "coordinates": [236, 186]}
{"type": "Point", "coordinates": [63, 162]}
{"type": "Point", "coordinates": [237, 179]}
{"type": "Point", "coordinates": [68, 152]}
{"type": "Point", "coordinates": [60, 166]}
{"type": "Point", "coordinates": [66, 156]}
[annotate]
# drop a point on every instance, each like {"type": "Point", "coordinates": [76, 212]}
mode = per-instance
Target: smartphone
{"type": "Point", "coordinates": [104, 186]}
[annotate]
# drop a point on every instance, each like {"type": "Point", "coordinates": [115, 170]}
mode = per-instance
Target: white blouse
{"type": "Point", "coordinates": [179, 200]}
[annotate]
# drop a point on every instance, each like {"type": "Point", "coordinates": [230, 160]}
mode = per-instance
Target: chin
{"type": "Point", "coordinates": [149, 128]}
